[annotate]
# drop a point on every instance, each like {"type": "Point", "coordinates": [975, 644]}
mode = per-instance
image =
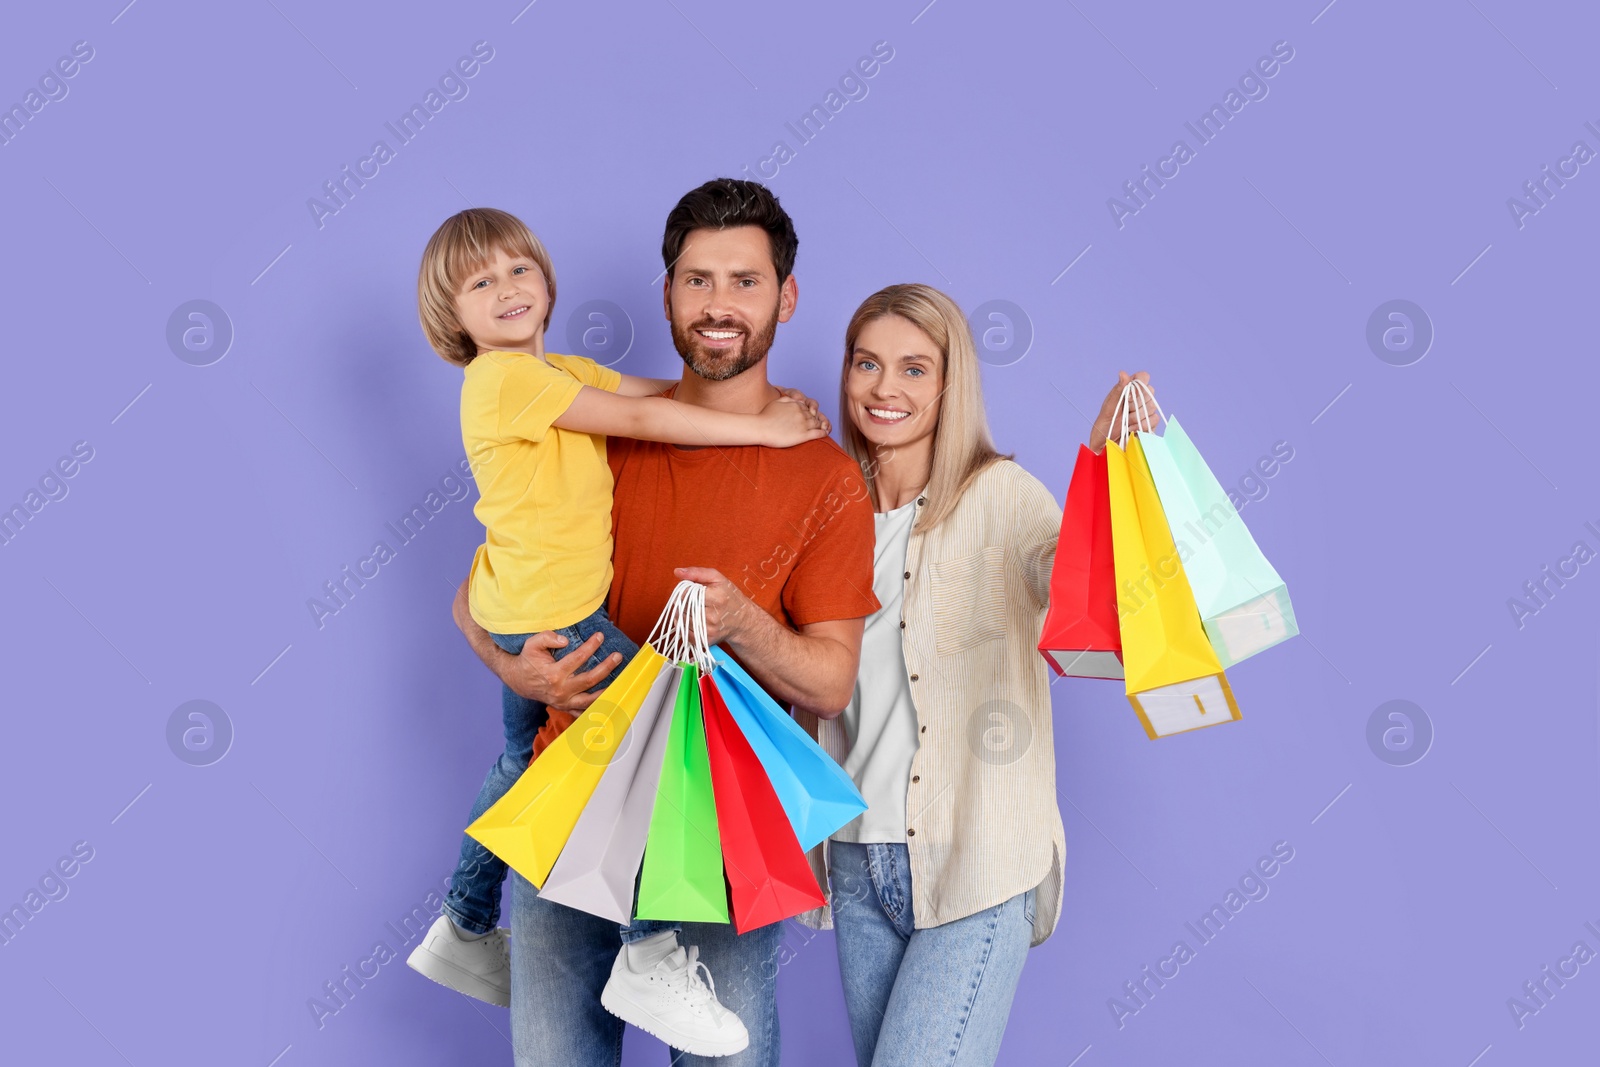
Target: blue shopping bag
{"type": "Point", "coordinates": [816, 794]}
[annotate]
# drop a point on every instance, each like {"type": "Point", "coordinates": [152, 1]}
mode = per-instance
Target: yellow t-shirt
{"type": "Point", "coordinates": [544, 493]}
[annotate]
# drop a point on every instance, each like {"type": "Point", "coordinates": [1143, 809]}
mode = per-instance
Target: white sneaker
{"type": "Point", "coordinates": [672, 997]}
{"type": "Point", "coordinates": [479, 968]}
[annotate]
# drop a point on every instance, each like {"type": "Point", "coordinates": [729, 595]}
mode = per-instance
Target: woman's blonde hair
{"type": "Point", "coordinates": [460, 247]}
{"type": "Point", "coordinates": [962, 446]}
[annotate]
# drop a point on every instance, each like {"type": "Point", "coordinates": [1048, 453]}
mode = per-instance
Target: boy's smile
{"type": "Point", "coordinates": [503, 305]}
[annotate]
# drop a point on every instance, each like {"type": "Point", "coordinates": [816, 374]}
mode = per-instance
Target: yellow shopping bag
{"type": "Point", "coordinates": [1174, 679]}
{"type": "Point", "coordinates": [530, 824]}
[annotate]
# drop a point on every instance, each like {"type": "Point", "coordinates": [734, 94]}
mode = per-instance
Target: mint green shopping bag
{"type": "Point", "coordinates": [1244, 604]}
{"type": "Point", "coordinates": [682, 874]}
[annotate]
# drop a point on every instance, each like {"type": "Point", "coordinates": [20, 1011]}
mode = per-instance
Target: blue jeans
{"type": "Point", "coordinates": [474, 898]}
{"type": "Point", "coordinates": [919, 998]}
{"type": "Point", "coordinates": [561, 959]}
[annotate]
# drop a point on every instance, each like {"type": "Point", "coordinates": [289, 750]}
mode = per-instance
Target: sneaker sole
{"type": "Point", "coordinates": [447, 974]}
{"type": "Point", "coordinates": [633, 1015]}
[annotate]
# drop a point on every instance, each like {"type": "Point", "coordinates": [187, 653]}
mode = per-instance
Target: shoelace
{"type": "Point", "coordinates": [692, 989]}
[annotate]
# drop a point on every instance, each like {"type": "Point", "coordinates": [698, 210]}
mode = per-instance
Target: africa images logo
{"type": "Point", "coordinates": [1205, 129]}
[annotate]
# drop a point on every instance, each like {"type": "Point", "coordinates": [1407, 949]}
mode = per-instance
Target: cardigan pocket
{"type": "Point", "coordinates": [969, 599]}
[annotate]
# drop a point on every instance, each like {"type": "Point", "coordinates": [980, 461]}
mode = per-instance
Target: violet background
{"type": "Point", "coordinates": [1419, 499]}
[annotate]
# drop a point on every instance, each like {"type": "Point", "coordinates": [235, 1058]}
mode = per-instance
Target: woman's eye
{"type": "Point", "coordinates": [867, 364]}
{"type": "Point", "coordinates": [915, 372]}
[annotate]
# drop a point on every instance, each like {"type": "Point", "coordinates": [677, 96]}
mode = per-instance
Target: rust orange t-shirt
{"type": "Point", "coordinates": [791, 527]}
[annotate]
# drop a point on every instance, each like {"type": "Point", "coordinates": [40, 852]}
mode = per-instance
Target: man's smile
{"type": "Point", "coordinates": [719, 338]}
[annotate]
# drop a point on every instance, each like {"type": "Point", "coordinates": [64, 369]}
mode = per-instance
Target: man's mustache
{"type": "Point", "coordinates": [721, 324]}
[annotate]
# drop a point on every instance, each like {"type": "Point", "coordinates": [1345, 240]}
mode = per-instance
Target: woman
{"type": "Point", "coordinates": [954, 871]}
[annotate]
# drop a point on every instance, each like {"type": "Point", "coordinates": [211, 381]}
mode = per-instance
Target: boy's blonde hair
{"type": "Point", "coordinates": [962, 446]}
{"type": "Point", "coordinates": [461, 247]}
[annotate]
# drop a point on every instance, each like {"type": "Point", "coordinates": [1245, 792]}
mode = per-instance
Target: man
{"type": "Point", "coordinates": [782, 539]}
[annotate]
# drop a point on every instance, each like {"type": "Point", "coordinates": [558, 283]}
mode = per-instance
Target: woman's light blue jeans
{"type": "Point", "coordinates": [921, 998]}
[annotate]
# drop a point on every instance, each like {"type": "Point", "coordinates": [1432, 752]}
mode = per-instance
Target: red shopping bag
{"type": "Point", "coordinates": [1081, 636]}
{"type": "Point", "coordinates": [768, 876]}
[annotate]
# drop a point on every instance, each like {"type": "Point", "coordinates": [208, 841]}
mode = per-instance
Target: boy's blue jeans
{"type": "Point", "coordinates": [474, 899]}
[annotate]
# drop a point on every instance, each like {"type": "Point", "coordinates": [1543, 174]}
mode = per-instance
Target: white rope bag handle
{"type": "Point", "coordinates": [667, 637]}
{"type": "Point", "coordinates": [1132, 402]}
{"type": "Point", "coordinates": [699, 641]}
{"type": "Point", "coordinates": [681, 629]}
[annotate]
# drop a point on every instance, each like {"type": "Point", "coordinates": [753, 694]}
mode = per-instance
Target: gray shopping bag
{"type": "Point", "coordinates": [596, 870]}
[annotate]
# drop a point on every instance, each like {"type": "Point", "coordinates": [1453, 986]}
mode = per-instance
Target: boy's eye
{"type": "Point", "coordinates": [518, 270]}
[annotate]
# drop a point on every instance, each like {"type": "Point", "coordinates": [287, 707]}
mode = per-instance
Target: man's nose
{"type": "Point", "coordinates": [719, 302]}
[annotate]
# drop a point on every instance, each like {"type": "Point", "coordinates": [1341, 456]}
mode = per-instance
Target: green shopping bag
{"type": "Point", "coordinates": [1244, 605]}
{"type": "Point", "coordinates": [682, 875]}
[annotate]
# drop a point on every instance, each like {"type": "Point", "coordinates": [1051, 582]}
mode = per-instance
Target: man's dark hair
{"type": "Point", "coordinates": [723, 203]}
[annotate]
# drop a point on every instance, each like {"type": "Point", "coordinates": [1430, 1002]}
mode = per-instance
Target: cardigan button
{"type": "Point", "coordinates": [910, 832]}
{"type": "Point", "coordinates": [921, 500]}
{"type": "Point", "coordinates": [908, 576]}
{"type": "Point", "coordinates": [924, 729]}
{"type": "Point", "coordinates": [913, 677]}
{"type": "Point", "coordinates": [916, 777]}
{"type": "Point", "coordinates": [902, 624]}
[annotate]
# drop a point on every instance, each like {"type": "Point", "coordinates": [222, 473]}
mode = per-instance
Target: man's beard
{"type": "Point", "coordinates": [717, 366]}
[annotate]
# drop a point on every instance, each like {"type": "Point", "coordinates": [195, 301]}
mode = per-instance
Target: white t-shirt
{"type": "Point", "coordinates": [881, 720]}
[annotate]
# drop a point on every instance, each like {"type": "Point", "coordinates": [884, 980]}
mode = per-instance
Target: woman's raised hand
{"type": "Point", "coordinates": [1108, 423]}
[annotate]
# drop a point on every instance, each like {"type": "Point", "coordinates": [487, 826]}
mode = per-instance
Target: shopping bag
{"type": "Point", "coordinates": [598, 868]}
{"type": "Point", "coordinates": [817, 795]}
{"type": "Point", "coordinates": [1173, 677]}
{"type": "Point", "coordinates": [768, 876]}
{"type": "Point", "coordinates": [1081, 637]}
{"type": "Point", "coordinates": [1243, 604]}
{"type": "Point", "coordinates": [529, 825]}
{"type": "Point", "coordinates": [682, 874]}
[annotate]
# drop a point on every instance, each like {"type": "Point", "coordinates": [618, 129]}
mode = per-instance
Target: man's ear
{"type": "Point", "coordinates": [666, 296]}
{"type": "Point", "coordinates": [788, 297]}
